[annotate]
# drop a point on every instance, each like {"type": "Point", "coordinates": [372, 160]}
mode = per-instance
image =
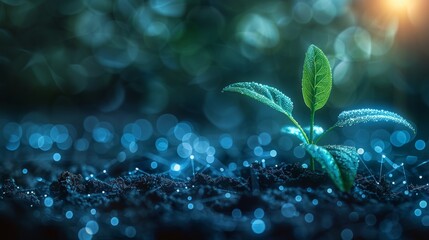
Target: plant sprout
{"type": "Point", "coordinates": [340, 162]}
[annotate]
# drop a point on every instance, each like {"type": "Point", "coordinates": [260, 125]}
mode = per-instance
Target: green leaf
{"type": "Point", "coordinates": [353, 117]}
{"type": "Point", "coordinates": [339, 161]}
{"type": "Point", "coordinates": [265, 94]}
{"type": "Point", "coordinates": [316, 79]}
{"type": "Point", "coordinates": [347, 159]}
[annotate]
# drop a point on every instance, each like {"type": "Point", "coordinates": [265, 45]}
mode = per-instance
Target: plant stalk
{"type": "Point", "coordinates": [312, 136]}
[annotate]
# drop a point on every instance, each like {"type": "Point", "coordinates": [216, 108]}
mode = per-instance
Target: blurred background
{"type": "Point", "coordinates": [62, 61]}
{"type": "Point", "coordinates": [157, 56]}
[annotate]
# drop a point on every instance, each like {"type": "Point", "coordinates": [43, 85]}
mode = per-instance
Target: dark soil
{"type": "Point", "coordinates": [296, 202]}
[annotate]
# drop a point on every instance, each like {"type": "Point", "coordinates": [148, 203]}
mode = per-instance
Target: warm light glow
{"type": "Point", "coordinates": [398, 4]}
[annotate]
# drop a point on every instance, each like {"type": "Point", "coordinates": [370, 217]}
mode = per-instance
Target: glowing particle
{"type": "Point", "coordinates": [228, 195]}
{"type": "Point", "coordinates": [309, 217]}
{"type": "Point", "coordinates": [161, 144]}
{"type": "Point", "coordinates": [232, 166]}
{"type": "Point", "coordinates": [258, 151]}
{"type": "Point", "coordinates": [24, 171]}
{"type": "Point", "coordinates": [273, 153]}
{"type": "Point", "coordinates": [236, 213]}
{"type": "Point", "coordinates": [329, 190]}
{"type": "Point", "coordinates": [288, 210]}
{"type": "Point", "coordinates": [315, 202]}
{"type": "Point", "coordinates": [298, 198]}
{"type": "Point", "coordinates": [190, 206]}
{"type": "Point", "coordinates": [153, 165]}
{"type": "Point", "coordinates": [91, 227]}
{"type": "Point", "coordinates": [175, 167]}
{"type": "Point", "coordinates": [114, 221]}
{"type": "Point", "coordinates": [93, 211]}
{"type": "Point", "coordinates": [259, 213]}
{"type": "Point", "coordinates": [420, 144]}
{"type": "Point", "coordinates": [48, 202]}
{"type": "Point", "coordinates": [226, 141]}
{"type": "Point", "coordinates": [69, 214]}
{"type": "Point", "coordinates": [360, 151]}
{"type": "Point", "coordinates": [281, 188]}
{"type": "Point", "coordinates": [56, 157]}
{"type": "Point", "coordinates": [423, 204]}
{"type": "Point", "coordinates": [378, 149]}
{"type": "Point", "coordinates": [210, 159]}
{"type": "Point", "coordinates": [258, 226]}
{"type": "Point", "coordinates": [418, 212]}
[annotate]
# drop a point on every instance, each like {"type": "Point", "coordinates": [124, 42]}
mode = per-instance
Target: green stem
{"type": "Point", "coordinates": [312, 136]}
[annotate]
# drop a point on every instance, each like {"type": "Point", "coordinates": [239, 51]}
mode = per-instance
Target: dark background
{"type": "Point", "coordinates": [72, 57]}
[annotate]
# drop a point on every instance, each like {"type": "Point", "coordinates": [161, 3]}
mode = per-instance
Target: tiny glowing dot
{"type": "Point", "coordinates": [329, 190]}
{"type": "Point", "coordinates": [227, 195]}
{"type": "Point", "coordinates": [56, 157]}
{"type": "Point", "coordinates": [298, 198]}
{"type": "Point", "coordinates": [418, 212]}
{"type": "Point", "coordinates": [309, 218]}
{"type": "Point", "coordinates": [48, 202]}
{"type": "Point", "coordinates": [315, 202]}
{"type": "Point", "coordinates": [259, 213]}
{"type": "Point", "coordinates": [24, 171]}
{"type": "Point", "coordinates": [423, 204]}
{"type": "Point", "coordinates": [69, 214]}
{"type": "Point", "coordinates": [153, 165]}
{"type": "Point", "coordinates": [175, 167]}
{"type": "Point", "coordinates": [93, 211]}
{"type": "Point", "coordinates": [114, 221]}
{"type": "Point", "coordinates": [236, 213]}
{"type": "Point", "coordinates": [420, 144]}
{"type": "Point", "coordinates": [360, 151]}
{"type": "Point", "coordinates": [190, 206]}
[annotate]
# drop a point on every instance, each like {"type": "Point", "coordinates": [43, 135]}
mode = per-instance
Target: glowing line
{"type": "Point", "coordinates": [405, 176]}
{"type": "Point", "coordinates": [381, 166]}
{"type": "Point", "coordinates": [372, 175]}
{"type": "Point", "coordinates": [423, 163]}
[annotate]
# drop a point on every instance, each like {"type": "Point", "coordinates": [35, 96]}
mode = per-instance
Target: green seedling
{"type": "Point", "coordinates": [340, 162]}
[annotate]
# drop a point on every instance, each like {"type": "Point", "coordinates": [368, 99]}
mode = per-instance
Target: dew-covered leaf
{"type": "Point", "coordinates": [347, 159]}
{"type": "Point", "coordinates": [316, 79]}
{"type": "Point", "coordinates": [338, 161]}
{"type": "Point", "coordinates": [353, 117]}
{"type": "Point", "coordinates": [265, 94]}
{"type": "Point", "coordinates": [295, 131]}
